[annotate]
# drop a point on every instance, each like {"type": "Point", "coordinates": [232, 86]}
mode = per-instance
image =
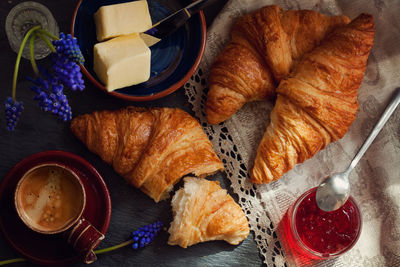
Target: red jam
{"type": "Point", "coordinates": [327, 232]}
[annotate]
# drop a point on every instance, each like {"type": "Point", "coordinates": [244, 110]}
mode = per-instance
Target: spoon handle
{"type": "Point", "coordinates": [385, 116]}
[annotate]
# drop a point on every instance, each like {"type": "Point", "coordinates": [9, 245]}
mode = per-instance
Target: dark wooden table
{"type": "Point", "coordinates": [38, 131]}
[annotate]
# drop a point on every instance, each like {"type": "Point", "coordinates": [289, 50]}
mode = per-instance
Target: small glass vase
{"type": "Point", "coordinates": [23, 17]}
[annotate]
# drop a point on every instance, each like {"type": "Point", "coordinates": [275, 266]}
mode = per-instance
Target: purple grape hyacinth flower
{"type": "Point", "coordinates": [50, 96]}
{"type": "Point", "coordinates": [68, 46]}
{"type": "Point", "coordinates": [13, 111]}
{"type": "Point", "coordinates": [144, 235]}
{"type": "Point", "coordinates": [68, 72]}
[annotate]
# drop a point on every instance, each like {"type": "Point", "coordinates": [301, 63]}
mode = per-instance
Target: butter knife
{"type": "Point", "coordinates": [171, 23]}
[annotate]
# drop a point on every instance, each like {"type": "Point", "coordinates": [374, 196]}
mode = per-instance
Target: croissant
{"type": "Point", "coordinates": [263, 48]}
{"type": "Point", "coordinates": [151, 148]}
{"type": "Point", "coordinates": [317, 102]}
{"type": "Point", "coordinates": [203, 211]}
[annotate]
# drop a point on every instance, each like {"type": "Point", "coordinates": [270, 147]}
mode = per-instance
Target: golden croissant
{"type": "Point", "coordinates": [203, 211]}
{"type": "Point", "coordinates": [317, 102]}
{"type": "Point", "coordinates": [264, 47]}
{"type": "Point", "coordinates": [151, 148]}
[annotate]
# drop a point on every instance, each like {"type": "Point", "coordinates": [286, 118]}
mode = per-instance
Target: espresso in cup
{"type": "Point", "coordinates": [49, 198]}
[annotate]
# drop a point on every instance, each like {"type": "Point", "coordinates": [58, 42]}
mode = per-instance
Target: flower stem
{"type": "Point", "coordinates": [104, 250]}
{"type": "Point", "coordinates": [32, 54]}
{"type": "Point", "coordinates": [21, 48]}
{"type": "Point", "coordinates": [97, 252]}
{"type": "Point", "coordinates": [12, 261]}
{"type": "Point", "coordinates": [48, 43]}
{"type": "Point", "coordinates": [43, 31]}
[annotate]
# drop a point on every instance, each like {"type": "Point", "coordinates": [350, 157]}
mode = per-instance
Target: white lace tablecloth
{"type": "Point", "coordinates": [375, 182]}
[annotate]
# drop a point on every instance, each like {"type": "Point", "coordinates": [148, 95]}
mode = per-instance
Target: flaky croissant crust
{"type": "Point", "coordinates": [151, 148]}
{"type": "Point", "coordinates": [317, 102]}
{"type": "Point", "coordinates": [264, 46]}
{"type": "Point", "coordinates": [203, 211]}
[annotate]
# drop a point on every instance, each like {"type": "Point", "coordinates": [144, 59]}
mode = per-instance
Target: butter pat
{"type": "Point", "coordinates": [122, 61]}
{"type": "Point", "coordinates": [122, 19]}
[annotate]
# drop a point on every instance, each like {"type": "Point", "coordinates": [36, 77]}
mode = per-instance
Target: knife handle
{"type": "Point", "coordinates": [169, 24]}
{"type": "Point", "coordinates": [198, 5]}
{"type": "Point", "coordinates": [177, 19]}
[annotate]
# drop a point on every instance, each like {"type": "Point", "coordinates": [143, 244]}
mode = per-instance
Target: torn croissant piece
{"type": "Point", "coordinates": [203, 211]}
{"type": "Point", "coordinates": [317, 102]}
{"type": "Point", "coordinates": [264, 47]}
{"type": "Point", "coordinates": [151, 148]}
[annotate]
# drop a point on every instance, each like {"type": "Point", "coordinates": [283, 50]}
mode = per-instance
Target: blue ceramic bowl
{"type": "Point", "coordinates": [173, 60]}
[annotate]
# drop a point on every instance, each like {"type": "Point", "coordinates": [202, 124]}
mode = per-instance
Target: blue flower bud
{"type": "Point", "coordinates": [50, 96]}
{"type": "Point", "coordinates": [13, 111]}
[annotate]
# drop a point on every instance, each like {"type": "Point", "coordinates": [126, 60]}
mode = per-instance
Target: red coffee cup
{"type": "Point", "coordinates": [50, 199]}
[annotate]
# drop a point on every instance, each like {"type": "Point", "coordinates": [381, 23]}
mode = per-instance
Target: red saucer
{"type": "Point", "coordinates": [44, 249]}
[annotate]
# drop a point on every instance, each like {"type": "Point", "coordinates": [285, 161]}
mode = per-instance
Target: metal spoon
{"type": "Point", "coordinates": [334, 191]}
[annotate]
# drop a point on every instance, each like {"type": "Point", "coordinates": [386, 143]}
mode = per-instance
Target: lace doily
{"type": "Point", "coordinates": [236, 141]}
{"type": "Point", "coordinates": [236, 169]}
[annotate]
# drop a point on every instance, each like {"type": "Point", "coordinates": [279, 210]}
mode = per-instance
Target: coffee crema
{"type": "Point", "coordinates": [50, 198]}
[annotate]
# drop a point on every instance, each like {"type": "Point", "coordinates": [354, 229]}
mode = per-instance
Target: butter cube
{"type": "Point", "coordinates": [122, 61]}
{"type": "Point", "coordinates": [122, 19]}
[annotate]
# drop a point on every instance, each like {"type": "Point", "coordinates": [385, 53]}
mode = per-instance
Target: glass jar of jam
{"type": "Point", "coordinates": [320, 234]}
